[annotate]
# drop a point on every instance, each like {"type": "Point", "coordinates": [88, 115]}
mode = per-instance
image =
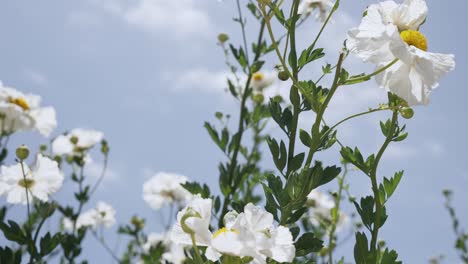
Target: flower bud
{"type": "Point", "coordinates": [230, 217]}
{"type": "Point", "coordinates": [74, 140]}
{"type": "Point", "coordinates": [258, 98]}
{"type": "Point", "coordinates": [22, 152]}
{"type": "Point", "coordinates": [188, 214]}
{"type": "Point", "coordinates": [223, 37]}
{"type": "Point", "coordinates": [283, 75]}
{"type": "Point", "coordinates": [43, 148]}
{"type": "Point", "coordinates": [138, 223]}
{"type": "Point", "coordinates": [407, 112]}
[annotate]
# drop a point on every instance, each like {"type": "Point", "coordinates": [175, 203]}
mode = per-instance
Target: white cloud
{"type": "Point", "coordinates": [94, 170]}
{"type": "Point", "coordinates": [198, 80]}
{"type": "Point", "coordinates": [428, 148]}
{"type": "Point", "coordinates": [176, 17]}
{"type": "Point", "coordinates": [35, 77]}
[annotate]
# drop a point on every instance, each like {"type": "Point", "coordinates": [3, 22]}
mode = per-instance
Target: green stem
{"type": "Point", "coordinates": [101, 177]}
{"type": "Point", "coordinates": [375, 188]}
{"type": "Point", "coordinates": [240, 130]}
{"type": "Point", "coordinates": [335, 7]}
{"type": "Point", "coordinates": [27, 196]}
{"type": "Point", "coordinates": [318, 119]}
{"type": "Point", "coordinates": [294, 90]}
{"type": "Point", "coordinates": [336, 218]}
{"type": "Point", "coordinates": [195, 248]}
{"type": "Point", "coordinates": [351, 117]}
{"type": "Point", "coordinates": [367, 77]}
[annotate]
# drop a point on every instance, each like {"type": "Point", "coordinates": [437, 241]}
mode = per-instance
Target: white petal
{"type": "Point", "coordinates": [212, 254]}
{"type": "Point", "coordinates": [62, 145]}
{"type": "Point", "coordinates": [45, 120]}
{"type": "Point", "coordinates": [410, 15]}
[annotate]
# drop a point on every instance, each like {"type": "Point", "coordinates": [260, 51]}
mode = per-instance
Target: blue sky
{"type": "Point", "coordinates": [148, 73]}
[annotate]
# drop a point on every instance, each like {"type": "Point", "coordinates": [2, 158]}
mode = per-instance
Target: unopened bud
{"type": "Point", "coordinates": [258, 98]}
{"type": "Point", "coordinates": [283, 75]}
{"type": "Point", "coordinates": [223, 37]}
{"type": "Point", "coordinates": [138, 223]}
{"type": "Point", "coordinates": [22, 152]}
{"type": "Point", "coordinates": [188, 214]}
{"type": "Point", "coordinates": [230, 217]}
{"type": "Point", "coordinates": [74, 140]}
{"type": "Point", "coordinates": [407, 112]}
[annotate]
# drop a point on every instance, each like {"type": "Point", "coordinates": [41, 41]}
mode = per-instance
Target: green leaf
{"type": "Point", "coordinates": [307, 244]}
{"type": "Point", "coordinates": [305, 138]}
{"type": "Point", "coordinates": [256, 66]}
{"type": "Point", "coordinates": [13, 232]}
{"type": "Point", "coordinates": [196, 188]}
{"type": "Point", "coordinates": [390, 257]}
{"type": "Point", "coordinates": [391, 184]}
{"type": "Point", "coordinates": [361, 251]}
{"type": "Point", "coordinates": [296, 162]}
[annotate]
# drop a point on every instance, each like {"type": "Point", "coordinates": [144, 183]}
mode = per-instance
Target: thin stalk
{"type": "Point", "coordinates": [105, 246]}
{"type": "Point", "coordinates": [375, 188]}
{"type": "Point", "coordinates": [318, 119]}
{"type": "Point", "coordinates": [27, 196]}
{"type": "Point", "coordinates": [294, 90]}
{"type": "Point", "coordinates": [336, 218]}
{"type": "Point", "coordinates": [195, 248]}
{"type": "Point", "coordinates": [101, 177]}
{"type": "Point", "coordinates": [367, 77]}
{"type": "Point", "coordinates": [335, 7]}
{"type": "Point", "coordinates": [240, 130]}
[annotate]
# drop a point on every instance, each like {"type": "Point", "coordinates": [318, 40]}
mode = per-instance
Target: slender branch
{"type": "Point", "coordinates": [375, 188]}
{"type": "Point", "coordinates": [27, 195]}
{"type": "Point", "coordinates": [334, 8]}
{"type": "Point", "coordinates": [367, 77]}
{"type": "Point", "coordinates": [294, 90]}
{"type": "Point", "coordinates": [336, 217]}
{"type": "Point", "coordinates": [316, 127]}
{"type": "Point", "coordinates": [105, 246]}
{"type": "Point", "coordinates": [240, 130]}
{"type": "Point", "coordinates": [101, 177]}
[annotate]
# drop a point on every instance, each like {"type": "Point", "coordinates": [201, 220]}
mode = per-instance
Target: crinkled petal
{"type": "Point", "coordinates": [410, 15]}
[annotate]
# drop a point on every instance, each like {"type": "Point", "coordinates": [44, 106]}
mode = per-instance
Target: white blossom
{"type": "Point", "coordinates": [389, 33]}
{"type": "Point", "coordinates": [23, 112]}
{"type": "Point", "coordinates": [42, 180]}
{"type": "Point", "coordinates": [165, 188]}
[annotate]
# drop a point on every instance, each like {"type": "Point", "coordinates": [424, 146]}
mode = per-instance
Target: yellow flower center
{"type": "Point", "coordinates": [20, 102]}
{"type": "Point", "coordinates": [258, 76]}
{"type": "Point", "coordinates": [26, 183]}
{"type": "Point", "coordinates": [223, 231]}
{"type": "Point", "coordinates": [414, 38]}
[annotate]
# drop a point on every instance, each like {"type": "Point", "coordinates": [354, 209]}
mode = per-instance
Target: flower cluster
{"type": "Point", "coordinates": [251, 233]}
{"type": "Point", "coordinates": [102, 215]}
{"type": "Point", "coordinates": [76, 142]}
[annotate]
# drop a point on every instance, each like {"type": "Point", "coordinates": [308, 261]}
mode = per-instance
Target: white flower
{"type": "Point", "coordinates": [306, 7]}
{"type": "Point", "coordinates": [174, 253]}
{"type": "Point", "coordinates": [321, 206]}
{"type": "Point", "coordinates": [76, 141]}
{"type": "Point", "coordinates": [22, 112]}
{"type": "Point", "coordinates": [196, 218]}
{"type": "Point", "coordinates": [252, 233]}
{"type": "Point", "coordinates": [165, 188]}
{"type": "Point", "coordinates": [103, 214]}
{"type": "Point", "coordinates": [44, 179]}
{"type": "Point", "coordinates": [261, 80]}
{"type": "Point", "coordinates": [389, 31]}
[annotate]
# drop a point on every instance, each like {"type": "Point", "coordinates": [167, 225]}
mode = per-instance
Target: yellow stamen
{"type": "Point", "coordinates": [414, 38]}
{"type": "Point", "coordinates": [258, 76]}
{"type": "Point", "coordinates": [26, 183]}
{"type": "Point", "coordinates": [224, 230]}
{"type": "Point", "coordinates": [20, 102]}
